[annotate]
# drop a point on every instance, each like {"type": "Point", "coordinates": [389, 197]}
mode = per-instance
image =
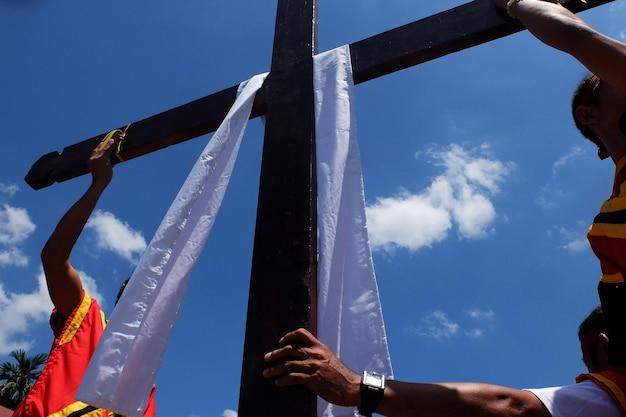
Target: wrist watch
{"type": "Point", "coordinates": [372, 392]}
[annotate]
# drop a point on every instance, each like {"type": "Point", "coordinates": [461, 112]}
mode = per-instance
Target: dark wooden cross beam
{"type": "Point", "coordinates": [282, 289]}
{"type": "Point", "coordinates": [283, 294]}
{"type": "Point", "coordinates": [451, 31]}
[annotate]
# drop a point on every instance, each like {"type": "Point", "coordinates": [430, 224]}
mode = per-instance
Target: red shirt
{"type": "Point", "coordinates": [75, 341]}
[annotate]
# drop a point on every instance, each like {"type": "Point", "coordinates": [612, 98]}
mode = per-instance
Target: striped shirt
{"type": "Point", "coordinates": [607, 234]}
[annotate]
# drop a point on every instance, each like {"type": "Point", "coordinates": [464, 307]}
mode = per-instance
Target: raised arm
{"type": "Point", "coordinates": [559, 28]}
{"type": "Point", "coordinates": [64, 284]}
{"type": "Point", "coordinates": [317, 368]}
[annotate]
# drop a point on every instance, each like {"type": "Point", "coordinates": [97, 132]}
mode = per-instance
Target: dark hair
{"type": "Point", "coordinates": [586, 94]}
{"type": "Point", "coordinates": [121, 290]}
{"type": "Point", "coordinates": [595, 321]}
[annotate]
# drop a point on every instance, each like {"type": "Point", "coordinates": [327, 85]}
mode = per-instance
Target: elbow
{"type": "Point", "coordinates": [497, 401]}
{"type": "Point", "coordinates": [51, 257]}
{"type": "Point", "coordinates": [46, 255]}
{"type": "Point", "coordinates": [517, 407]}
{"type": "Point", "coordinates": [524, 412]}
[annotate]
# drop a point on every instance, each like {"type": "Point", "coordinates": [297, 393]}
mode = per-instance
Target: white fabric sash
{"type": "Point", "coordinates": [124, 367]}
{"type": "Point", "coordinates": [350, 319]}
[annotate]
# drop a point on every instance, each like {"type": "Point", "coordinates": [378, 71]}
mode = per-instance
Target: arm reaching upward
{"type": "Point", "coordinates": [64, 284]}
{"type": "Point", "coordinates": [559, 28]}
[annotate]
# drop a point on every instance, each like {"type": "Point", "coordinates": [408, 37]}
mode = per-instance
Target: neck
{"type": "Point", "coordinates": [616, 149]}
{"type": "Point", "coordinates": [617, 156]}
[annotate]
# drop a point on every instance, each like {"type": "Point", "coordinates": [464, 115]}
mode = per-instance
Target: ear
{"type": "Point", "coordinates": [586, 115]}
{"type": "Point", "coordinates": [603, 340]}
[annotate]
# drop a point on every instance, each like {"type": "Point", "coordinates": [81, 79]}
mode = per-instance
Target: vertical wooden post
{"type": "Point", "coordinates": [282, 286]}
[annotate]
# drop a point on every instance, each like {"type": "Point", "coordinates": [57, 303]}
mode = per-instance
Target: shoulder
{"type": "Point", "coordinates": [87, 312]}
{"type": "Point", "coordinates": [582, 400]}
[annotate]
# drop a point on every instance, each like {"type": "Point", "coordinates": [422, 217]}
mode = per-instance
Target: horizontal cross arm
{"type": "Point", "coordinates": [168, 128]}
{"type": "Point", "coordinates": [451, 31]}
{"type": "Point", "coordinates": [454, 30]}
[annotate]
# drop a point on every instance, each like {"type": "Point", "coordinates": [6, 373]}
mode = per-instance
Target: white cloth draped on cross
{"type": "Point", "coordinates": [124, 366]}
{"type": "Point", "coordinates": [350, 319]}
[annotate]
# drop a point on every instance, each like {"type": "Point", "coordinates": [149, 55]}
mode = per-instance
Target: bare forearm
{"type": "Point", "coordinates": [457, 399]}
{"type": "Point", "coordinates": [561, 29]}
{"type": "Point", "coordinates": [551, 23]}
{"type": "Point", "coordinates": [67, 232]}
{"type": "Point", "coordinates": [64, 284]}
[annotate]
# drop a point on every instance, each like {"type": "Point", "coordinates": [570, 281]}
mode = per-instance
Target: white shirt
{"type": "Point", "coordinates": [580, 400]}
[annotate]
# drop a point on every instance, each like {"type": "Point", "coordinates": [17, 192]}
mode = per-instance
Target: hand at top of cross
{"type": "Point", "coordinates": [99, 162]}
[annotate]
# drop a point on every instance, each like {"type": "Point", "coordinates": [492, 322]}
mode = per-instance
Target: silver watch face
{"type": "Point", "coordinates": [373, 379]}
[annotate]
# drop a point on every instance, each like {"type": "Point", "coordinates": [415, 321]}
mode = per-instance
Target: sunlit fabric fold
{"type": "Point", "coordinates": [125, 364]}
{"type": "Point", "coordinates": [350, 319]}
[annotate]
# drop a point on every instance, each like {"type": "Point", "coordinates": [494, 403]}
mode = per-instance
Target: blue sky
{"type": "Point", "coordinates": [478, 186]}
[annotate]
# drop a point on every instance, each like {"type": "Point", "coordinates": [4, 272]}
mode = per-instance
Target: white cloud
{"type": "Point", "coordinates": [485, 317]}
{"type": "Point", "coordinates": [577, 245]}
{"type": "Point", "coordinates": [20, 312]}
{"type": "Point", "coordinates": [574, 153]}
{"type": "Point", "coordinates": [574, 239]}
{"type": "Point", "coordinates": [436, 325]}
{"type": "Point", "coordinates": [9, 189]}
{"type": "Point", "coordinates": [475, 333]}
{"type": "Point", "coordinates": [460, 196]}
{"type": "Point", "coordinates": [116, 236]}
{"type": "Point", "coordinates": [229, 413]}
{"type": "Point", "coordinates": [13, 256]}
{"type": "Point", "coordinates": [15, 227]}
{"type": "Point", "coordinates": [552, 193]}
{"type": "Point", "coordinates": [478, 314]}
{"type": "Point", "coordinates": [411, 222]}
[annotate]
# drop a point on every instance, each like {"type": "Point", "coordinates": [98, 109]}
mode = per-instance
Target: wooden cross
{"type": "Point", "coordinates": [282, 288]}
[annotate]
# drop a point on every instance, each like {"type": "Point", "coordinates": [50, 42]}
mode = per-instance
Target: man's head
{"type": "Point", "coordinates": [599, 111]}
{"type": "Point", "coordinates": [594, 342]}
